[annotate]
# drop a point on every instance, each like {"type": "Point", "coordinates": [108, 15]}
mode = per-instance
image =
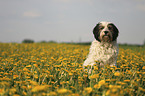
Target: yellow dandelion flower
{"type": "Point", "coordinates": [36, 76]}
{"type": "Point", "coordinates": [4, 83]}
{"type": "Point", "coordinates": [36, 65]}
{"type": "Point", "coordinates": [117, 74]}
{"type": "Point", "coordinates": [25, 69]}
{"type": "Point", "coordinates": [107, 93]}
{"type": "Point", "coordinates": [15, 76]}
{"type": "Point", "coordinates": [95, 67]}
{"type": "Point", "coordinates": [96, 86]}
{"type": "Point", "coordinates": [28, 77]}
{"type": "Point", "coordinates": [28, 66]}
{"type": "Point", "coordinates": [40, 88]}
{"type": "Point", "coordinates": [72, 87]}
{"type": "Point", "coordinates": [114, 90]}
{"type": "Point", "coordinates": [143, 67]}
{"type": "Point", "coordinates": [29, 87]}
{"type": "Point", "coordinates": [102, 82]}
{"type": "Point", "coordinates": [2, 91]}
{"type": "Point", "coordinates": [138, 80]}
{"type": "Point", "coordinates": [129, 72]}
{"type": "Point", "coordinates": [94, 76]}
{"type": "Point", "coordinates": [70, 74]}
{"type": "Point", "coordinates": [50, 75]}
{"type": "Point", "coordinates": [114, 86]}
{"type": "Point", "coordinates": [24, 93]}
{"type": "Point", "coordinates": [62, 91]}
{"type": "Point", "coordinates": [33, 83]}
{"type": "Point", "coordinates": [24, 87]}
{"type": "Point", "coordinates": [85, 75]}
{"type": "Point", "coordinates": [143, 72]}
{"type": "Point", "coordinates": [126, 80]}
{"type": "Point", "coordinates": [12, 91]}
{"type": "Point", "coordinates": [88, 90]}
{"type": "Point", "coordinates": [123, 83]}
{"type": "Point", "coordinates": [108, 80]}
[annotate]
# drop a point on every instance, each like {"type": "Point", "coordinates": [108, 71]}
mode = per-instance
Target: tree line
{"type": "Point", "coordinates": [78, 43]}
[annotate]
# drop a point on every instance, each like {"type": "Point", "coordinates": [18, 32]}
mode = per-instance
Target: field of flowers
{"type": "Point", "coordinates": [51, 69]}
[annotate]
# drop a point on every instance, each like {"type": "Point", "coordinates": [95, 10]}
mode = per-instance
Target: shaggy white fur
{"type": "Point", "coordinates": [103, 52]}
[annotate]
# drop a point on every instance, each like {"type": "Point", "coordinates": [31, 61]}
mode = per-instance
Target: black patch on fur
{"type": "Point", "coordinates": [115, 32]}
{"type": "Point", "coordinates": [96, 32]}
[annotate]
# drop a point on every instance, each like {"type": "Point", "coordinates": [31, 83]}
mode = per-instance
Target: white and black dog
{"type": "Point", "coordinates": [104, 48]}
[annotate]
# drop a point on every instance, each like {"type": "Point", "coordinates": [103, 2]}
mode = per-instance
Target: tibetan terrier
{"type": "Point", "coordinates": [104, 48]}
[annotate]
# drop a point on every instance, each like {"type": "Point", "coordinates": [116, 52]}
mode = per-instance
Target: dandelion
{"type": "Point", "coordinates": [143, 68]}
{"type": "Point", "coordinates": [95, 68]}
{"type": "Point", "coordinates": [114, 90]}
{"type": "Point", "coordinates": [33, 83]}
{"type": "Point", "coordinates": [62, 91]}
{"type": "Point", "coordinates": [50, 75]}
{"type": "Point", "coordinates": [36, 65]}
{"type": "Point", "coordinates": [28, 66]}
{"type": "Point", "coordinates": [127, 80]}
{"type": "Point", "coordinates": [94, 76]}
{"type": "Point", "coordinates": [24, 87]}
{"type": "Point", "coordinates": [96, 86]}
{"type": "Point", "coordinates": [24, 93]}
{"type": "Point", "coordinates": [70, 74]}
{"type": "Point", "coordinates": [101, 83]}
{"type": "Point", "coordinates": [12, 91]}
{"type": "Point", "coordinates": [115, 86]}
{"type": "Point", "coordinates": [40, 88]}
{"type": "Point", "coordinates": [88, 90]}
{"type": "Point", "coordinates": [117, 74]}
{"type": "Point", "coordinates": [36, 76]}
{"type": "Point", "coordinates": [2, 91]}
{"type": "Point", "coordinates": [129, 72]}
{"type": "Point", "coordinates": [15, 76]}
{"type": "Point", "coordinates": [25, 69]}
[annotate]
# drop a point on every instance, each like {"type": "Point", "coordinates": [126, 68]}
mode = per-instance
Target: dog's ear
{"type": "Point", "coordinates": [96, 32]}
{"type": "Point", "coordinates": [115, 32]}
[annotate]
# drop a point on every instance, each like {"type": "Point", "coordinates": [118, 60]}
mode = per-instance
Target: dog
{"type": "Point", "coordinates": [104, 48]}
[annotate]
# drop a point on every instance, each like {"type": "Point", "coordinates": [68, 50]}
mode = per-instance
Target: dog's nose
{"type": "Point", "coordinates": [105, 32]}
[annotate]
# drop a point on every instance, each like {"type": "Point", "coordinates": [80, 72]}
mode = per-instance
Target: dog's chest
{"type": "Point", "coordinates": [104, 53]}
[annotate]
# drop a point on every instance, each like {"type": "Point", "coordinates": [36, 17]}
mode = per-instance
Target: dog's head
{"type": "Point", "coordinates": [105, 32]}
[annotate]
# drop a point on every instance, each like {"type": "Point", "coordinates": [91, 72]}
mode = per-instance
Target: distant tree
{"type": "Point", "coordinates": [51, 41]}
{"type": "Point", "coordinates": [28, 41]}
{"type": "Point", "coordinates": [43, 41]}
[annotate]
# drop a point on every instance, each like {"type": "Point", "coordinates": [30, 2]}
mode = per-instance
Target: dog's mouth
{"type": "Point", "coordinates": [106, 37]}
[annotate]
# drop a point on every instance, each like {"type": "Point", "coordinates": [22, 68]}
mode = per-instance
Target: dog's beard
{"type": "Point", "coordinates": [105, 38]}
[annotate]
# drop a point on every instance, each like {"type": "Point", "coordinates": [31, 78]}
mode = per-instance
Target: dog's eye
{"type": "Point", "coordinates": [109, 27]}
{"type": "Point", "coordinates": [101, 27]}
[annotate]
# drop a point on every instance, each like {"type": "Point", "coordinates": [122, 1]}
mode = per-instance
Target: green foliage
{"type": "Point", "coordinates": [28, 41]}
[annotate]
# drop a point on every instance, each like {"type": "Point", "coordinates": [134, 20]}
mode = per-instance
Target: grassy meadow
{"type": "Point", "coordinates": [51, 69]}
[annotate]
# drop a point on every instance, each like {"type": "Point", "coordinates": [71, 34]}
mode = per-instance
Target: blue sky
{"type": "Point", "coordinates": [70, 20]}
